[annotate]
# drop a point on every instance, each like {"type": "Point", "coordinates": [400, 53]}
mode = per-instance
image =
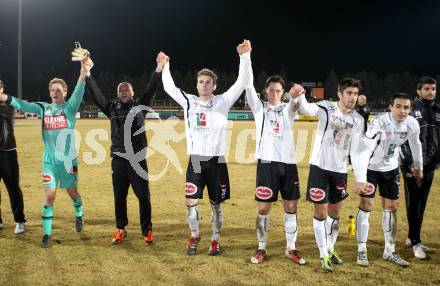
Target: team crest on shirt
{"type": "Point", "coordinates": [263, 193]}
{"type": "Point", "coordinates": [317, 194]}
{"type": "Point", "coordinates": [202, 123]}
{"type": "Point", "coordinates": [403, 135]}
{"type": "Point", "coordinates": [201, 119]}
{"type": "Point", "coordinates": [275, 126]}
{"type": "Point", "coordinates": [48, 111]}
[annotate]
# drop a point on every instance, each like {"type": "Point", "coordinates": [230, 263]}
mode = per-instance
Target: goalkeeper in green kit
{"type": "Point", "coordinates": [60, 165]}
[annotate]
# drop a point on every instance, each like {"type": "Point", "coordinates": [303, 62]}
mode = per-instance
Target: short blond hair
{"type": "Point", "coordinates": [60, 81]}
{"type": "Point", "coordinates": [209, 73]}
{"type": "Point", "coordinates": [1, 84]}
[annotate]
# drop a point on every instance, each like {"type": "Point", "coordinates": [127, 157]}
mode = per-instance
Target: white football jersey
{"type": "Point", "coordinates": [274, 132]}
{"type": "Point", "coordinates": [206, 121]}
{"type": "Point", "coordinates": [337, 135]}
{"type": "Point", "coordinates": [382, 141]}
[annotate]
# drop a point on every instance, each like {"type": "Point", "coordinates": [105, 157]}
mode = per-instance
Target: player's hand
{"type": "Point", "coordinates": [244, 47]}
{"type": "Point", "coordinates": [296, 91]}
{"type": "Point", "coordinates": [360, 188]}
{"type": "Point", "coordinates": [417, 173]}
{"type": "Point", "coordinates": [86, 66]}
{"type": "Point", "coordinates": [161, 60]}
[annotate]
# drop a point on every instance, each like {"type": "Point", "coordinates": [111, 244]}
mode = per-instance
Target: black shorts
{"type": "Point", "coordinates": [326, 186]}
{"type": "Point", "coordinates": [274, 177]}
{"type": "Point", "coordinates": [388, 183]}
{"type": "Point", "coordinates": [211, 172]}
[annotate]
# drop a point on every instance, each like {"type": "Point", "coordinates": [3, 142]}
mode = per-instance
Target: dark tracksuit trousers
{"type": "Point", "coordinates": [123, 175]}
{"type": "Point", "coordinates": [416, 197]}
{"type": "Point", "coordinates": [9, 173]}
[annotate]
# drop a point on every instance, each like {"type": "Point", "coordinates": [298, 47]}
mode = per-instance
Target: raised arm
{"type": "Point", "coordinates": [152, 85]}
{"type": "Point", "coordinates": [95, 93]}
{"type": "Point", "coordinates": [75, 100]}
{"type": "Point", "coordinates": [170, 88]}
{"type": "Point", "coordinates": [245, 77]}
{"type": "Point", "coordinates": [295, 92]}
{"type": "Point", "coordinates": [253, 100]}
{"type": "Point", "coordinates": [22, 105]}
{"type": "Point", "coordinates": [301, 104]}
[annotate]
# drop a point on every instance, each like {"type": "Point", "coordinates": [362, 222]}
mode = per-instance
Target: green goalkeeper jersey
{"type": "Point", "coordinates": [58, 123]}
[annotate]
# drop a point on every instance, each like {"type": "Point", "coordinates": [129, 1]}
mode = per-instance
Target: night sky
{"type": "Point", "coordinates": [306, 38]}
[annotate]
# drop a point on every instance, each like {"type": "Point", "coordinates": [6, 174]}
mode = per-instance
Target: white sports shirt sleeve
{"type": "Point", "coordinates": [414, 142]}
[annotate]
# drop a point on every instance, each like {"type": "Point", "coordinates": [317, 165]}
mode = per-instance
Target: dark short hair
{"type": "Point", "coordinates": [348, 82]}
{"type": "Point", "coordinates": [276, 79]}
{"type": "Point", "coordinates": [401, 95]}
{"type": "Point", "coordinates": [425, 80]}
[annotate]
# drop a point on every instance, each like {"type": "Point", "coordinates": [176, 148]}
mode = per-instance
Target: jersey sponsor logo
{"type": "Point", "coordinates": [201, 119]}
{"type": "Point", "coordinates": [317, 194]}
{"type": "Point", "coordinates": [437, 117]}
{"type": "Point", "coordinates": [47, 179]}
{"type": "Point", "coordinates": [371, 188]}
{"type": "Point", "coordinates": [263, 193]}
{"type": "Point", "coordinates": [190, 189]}
{"type": "Point", "coordinates": [55, 122]}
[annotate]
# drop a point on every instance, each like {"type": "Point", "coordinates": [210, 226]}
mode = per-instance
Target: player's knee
{"type": "Point", "coordinates": [290, 206]}
{"type": "Point", "coordinates": [391, 205]}
{"type": "Point", "coordinates": [320, 211]}
{"type": "Point", "coordinates": [262, 211]}
{"type": "Point", "coordinates": [263, 208]}
{"type": "Point", "coordinates": [191, 202]}
{"type": "Point", "coordinates": [365, 204]}
{"type": "Point", "coordinates": [50, 196]}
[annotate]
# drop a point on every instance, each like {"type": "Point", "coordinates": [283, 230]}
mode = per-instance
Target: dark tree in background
{"type": "Point", "coordinates": [331, 86]}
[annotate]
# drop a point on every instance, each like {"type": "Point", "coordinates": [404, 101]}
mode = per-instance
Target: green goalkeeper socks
{"type": "Point", "coordinates": [77, 204]}
{"type": "Point", "coordinates": [47, 215]}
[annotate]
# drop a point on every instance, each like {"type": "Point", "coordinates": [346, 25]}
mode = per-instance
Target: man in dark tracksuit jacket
{"type": "Point", "coordinates": [123, 174]}
{"type": "Point", "coordinates": [9, 170]}
{"type": "Point", "coordinates": [427, 113]}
